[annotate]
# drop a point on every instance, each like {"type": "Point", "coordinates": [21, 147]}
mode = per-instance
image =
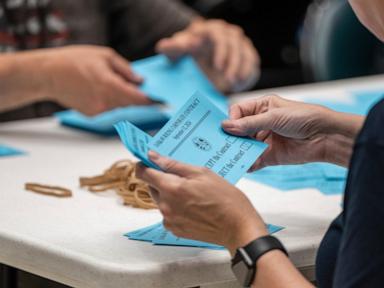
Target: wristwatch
{"type": "Point", "coordinates": [244, 262]}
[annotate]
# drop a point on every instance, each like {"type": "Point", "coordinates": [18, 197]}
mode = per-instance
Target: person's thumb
{"type": "Point", "coordinates": [250, 125]}
{"type": "Point", "coordinates": [179, 45]}
{"type": "Point", "coordinates": [171, 48]}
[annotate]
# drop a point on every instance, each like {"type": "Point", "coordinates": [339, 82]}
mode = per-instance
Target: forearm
{"type": "Point", "coordinates": [341, 137]}
{"type": "Point", "coordinates": [274, 270]}
{"type": "Point", "coordinates": [21, 79]}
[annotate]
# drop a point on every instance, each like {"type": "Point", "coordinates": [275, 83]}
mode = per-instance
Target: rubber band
{"type": "Point", "coordinates": [48, 190]}
{"type": "Point", "coordinates": [121, 178]}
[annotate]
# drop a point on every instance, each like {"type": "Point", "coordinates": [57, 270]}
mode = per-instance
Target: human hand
{"type": "Point", "coordinates": [296, 132]}
{"type": "Point", "coordinates": [91, 79]}
{"type": "Point", "coordinates": [198, 204]}
{"type": "Point", "coordinates": [224, 53]}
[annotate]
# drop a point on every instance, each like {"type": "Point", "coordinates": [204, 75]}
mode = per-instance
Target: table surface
{"type": "Point", "coordinates": [79, 241]}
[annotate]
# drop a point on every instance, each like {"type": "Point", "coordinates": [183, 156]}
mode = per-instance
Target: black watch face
{"type": "Point", "coordinates": [243, 273]}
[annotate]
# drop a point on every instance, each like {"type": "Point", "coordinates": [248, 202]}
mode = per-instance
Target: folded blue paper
{"type": "Point", "coordinates": [327, 178]}
{"type": "Point", "coordinates": [174, 82]}
{"type": "Point", "coordinates": [145, 117]}
{"type": "Point", "coordinates": [360, 102]}
{"type": "Point", "coordinates": [6, 151]}
{"type": "Point", "coordinates": [194, 136]}
{"type": "Point", "coordinates": [158, 235]}
{"type": "Point", "coordinates": [169, 82]}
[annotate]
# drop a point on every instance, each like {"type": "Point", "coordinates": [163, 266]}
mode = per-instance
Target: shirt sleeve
{"type": "Point", "coordinates": [360, 260]}
{"type": "Point", "coordinates": [135, 26]}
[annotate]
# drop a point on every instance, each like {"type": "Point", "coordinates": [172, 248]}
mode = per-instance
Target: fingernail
{"type": "Point", "coordinates": [139, 78]}
{"type": "Point", "coordinates": [228, 124]}
{"type": "Point", "coordinates": [153, 155]}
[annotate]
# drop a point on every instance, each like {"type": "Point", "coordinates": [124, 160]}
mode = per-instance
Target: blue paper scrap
{"type": "Point", "coordinates": [158, 235]}
{"type": "Point", "coordinates": [169, 82]}
{"type": "Point", "coordinates": [327, 178]}
{"type": "Point", "coordinates": [194, 136]}
{"type": "Point", "coordinates": [6, 151]}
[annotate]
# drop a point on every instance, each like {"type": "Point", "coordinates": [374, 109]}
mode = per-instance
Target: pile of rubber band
{"type": "Point", "coordinates": [121, 178]}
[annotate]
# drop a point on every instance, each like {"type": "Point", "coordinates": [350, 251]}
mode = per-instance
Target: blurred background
{"type": "Point", "coordinates": [303, 40]}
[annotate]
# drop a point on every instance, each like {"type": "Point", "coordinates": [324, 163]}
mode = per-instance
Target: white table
{"type": "Point", "coordinates": [78, 241]}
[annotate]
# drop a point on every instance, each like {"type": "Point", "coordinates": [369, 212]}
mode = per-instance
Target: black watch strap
{"type": "Point", "coordinates": [247, 256]}
{"type": "Point", "coordinates": [262, 245]}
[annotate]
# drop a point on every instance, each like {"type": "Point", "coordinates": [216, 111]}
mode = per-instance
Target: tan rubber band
{"type": "Point", "coordinates": [121, 178]}
{"type": "Point", "coordinates": [48, 190]}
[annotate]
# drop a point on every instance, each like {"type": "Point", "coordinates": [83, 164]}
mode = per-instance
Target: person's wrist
{"type": "Point", "coordinates": [48, 67]}
{"type": "Point", "coordinates": [25, 69]}
{"type": "Point", "coordinates": [338, 149]}
{"type": "Point", "coordinates": [344, 124]}
{"type": "Point", "coordinates": [340, 134]}
{"type": "Point", "coordinates": [244, 234]}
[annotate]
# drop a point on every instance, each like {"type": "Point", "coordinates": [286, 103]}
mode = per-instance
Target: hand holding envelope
{"type": "Point", "coordinates": [200, 205]}
{"type": "Point", "coordinates": [187, 193]}
{"type": "Point", "coordinates": [194, 136]}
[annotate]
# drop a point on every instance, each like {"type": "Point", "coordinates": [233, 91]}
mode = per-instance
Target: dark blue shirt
{"type": "Point", "coordinates": [352, 251]}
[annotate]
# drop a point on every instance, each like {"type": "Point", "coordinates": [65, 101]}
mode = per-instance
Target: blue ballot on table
{"type": "Point", "coordinates": [171, 83]}
{"type": "Point", "coordinates": [327, 178]}
{"type": "Point", "coordinates": [6, 151]}
{"type": "Point", "coordinates": [361, 101]}
{"type": "Point", "coordinates": [158, 235]}
{"type": "Point", "coordinates": [194, 136]}
{"type": "Point", "coordinates": [145, 117]}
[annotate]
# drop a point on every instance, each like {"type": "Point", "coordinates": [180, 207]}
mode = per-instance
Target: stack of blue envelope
{"type": "Point", "coordinates": [170, 83]}
{"type": "Point", "coordinates": [6, 151]}
{"type": "Point", "coordinates": [158, 235]}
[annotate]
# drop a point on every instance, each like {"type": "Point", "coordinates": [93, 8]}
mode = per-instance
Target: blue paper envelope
{"type": "Point", "coordinates": [334, 172]}
{"type": "Point", "coordinates": [327, 178]}
{"type": "Point", "coordinates": [144, 117]}
{"type": "Point", "coordinates": [9, 151]}
{"type": "Point", "coordinates": [274, 228]}
{"type": "Point", "coordinates": [146, 233]}
{"type": "Point", "coordinates": [194, 136]}
{"type": "Point", "coordinates": [166, 237]}
{"type": "Point", "coordinates": [158, 235]}
{"type": "Point", "coordinates": [174, 82]}
{"type": "Point", "coordinates": [362, 102]}
{"type": "Point", "coordinates": [136, 141]}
